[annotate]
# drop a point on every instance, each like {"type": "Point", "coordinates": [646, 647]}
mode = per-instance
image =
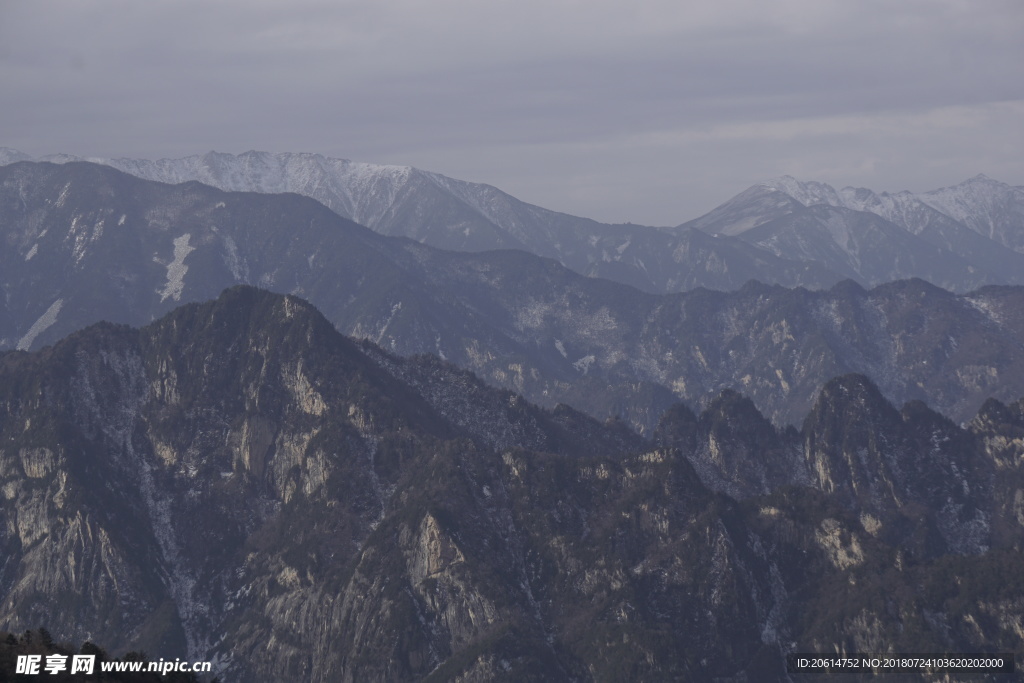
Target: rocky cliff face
{"type": "Point", "coordinates": [238, 482]}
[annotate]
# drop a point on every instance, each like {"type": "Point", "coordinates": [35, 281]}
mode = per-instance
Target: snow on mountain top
{"type": "Point", "coordinates": [357, 190]}
{"type": "Point", "coordinates": [271, 172]}
{"type": "Point", "coordinates": [373, 194]}
{"type": "Point", "coordinates": [10, 156]}
{"type": "Point", "coordinates": [979, 194]}
{"type": "Point", "coordinates": [979, 188]}
{"type": "Point", "coordinates": [987, 206]}
{"type": "Point", "coordinates": [807, 193]}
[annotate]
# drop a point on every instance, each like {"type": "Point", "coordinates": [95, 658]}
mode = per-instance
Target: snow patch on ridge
{"type": "Point", "coordinates": [39, 326]}
{"type": "Point", "coordinates": [63, 195]}
{"type": "Point", "coordinates": [176, 269]}
{"type": "Point", "coordinates": [985, 308]}
{"type": "Point", "coordinates": [583, 364]}
{"type": "Point", "coordinates": [238, 267]}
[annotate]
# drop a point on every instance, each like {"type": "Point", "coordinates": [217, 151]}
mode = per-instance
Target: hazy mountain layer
{"type": "Point", "coordinates": [86, 243]}
{"type": "Point", "coordinates": [966, 235]}
{"type": "Point", "coordinates": [453, 214]}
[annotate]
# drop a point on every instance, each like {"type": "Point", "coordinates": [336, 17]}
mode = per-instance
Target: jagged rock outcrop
{"type": "Point", "coordinates": [240, 483]}
{"type": "Point", "coordinates": [734, 448]}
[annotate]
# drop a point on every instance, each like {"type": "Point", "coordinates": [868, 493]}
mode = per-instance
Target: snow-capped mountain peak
{"type": "Point", "coordinates": [989, 207]}
{"type": "Point", "coordinates": [807, 193]}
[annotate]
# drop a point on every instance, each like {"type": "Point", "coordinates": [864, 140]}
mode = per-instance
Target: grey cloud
{"type": "Point", "coordinates": [560, 103]}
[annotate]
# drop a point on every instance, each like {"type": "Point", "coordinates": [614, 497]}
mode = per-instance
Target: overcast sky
{"type": "Point", "coordinates": [651, 111]}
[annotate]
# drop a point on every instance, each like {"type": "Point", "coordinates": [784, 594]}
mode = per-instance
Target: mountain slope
{"type": "Point", "coordinates": [942, 230]}
{"type": "Point", "coordinates": [756, 205]}
{"type": "Point", "coordinates": [863, 247]}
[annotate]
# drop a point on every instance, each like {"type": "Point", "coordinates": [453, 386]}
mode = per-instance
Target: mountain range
{"type": "Point", "coordinates": [86, 242]}
{"type": "Point", "coordinates": [959, 238]}
{"type": "Point", "coordinates": [237, 482]}
{"type": "Point", "coordinates": [305, 449]}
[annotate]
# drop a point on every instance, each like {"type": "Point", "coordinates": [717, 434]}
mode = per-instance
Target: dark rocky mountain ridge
{"type": "Point", "coordinates": [238, 482]}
